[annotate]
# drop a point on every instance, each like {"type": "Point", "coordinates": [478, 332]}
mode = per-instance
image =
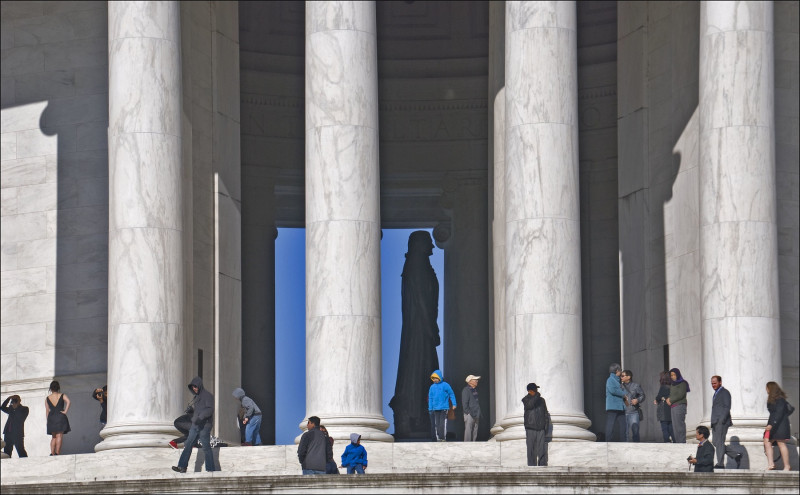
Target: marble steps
{"type": "Point", "coordinates": [440, 467]}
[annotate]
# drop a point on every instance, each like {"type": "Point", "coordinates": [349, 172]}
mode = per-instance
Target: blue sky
{"type": "Point", "coordinates": [290, 376]}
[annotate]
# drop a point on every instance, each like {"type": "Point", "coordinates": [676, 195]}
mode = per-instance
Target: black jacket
{"type": "Point", "coordinates": [535, 412]}
{"type": "Point", "coordinates": [14, 430]}
{"type": "Point", "coordinates": [705, 458]}
{"type": "Point", "coordinates": [204, 405]}
{"type": "Point", "coordinates": [721, 408]}
{"type": "Point", "coordinates": [314, 450]}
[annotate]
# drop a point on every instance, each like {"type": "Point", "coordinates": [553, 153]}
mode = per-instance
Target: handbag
{"type": "Point", "coordinates": [789, 409]}
{"type": "Point", "coordinates": [451, 413]}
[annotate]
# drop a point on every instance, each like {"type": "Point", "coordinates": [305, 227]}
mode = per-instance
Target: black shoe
{"type": "Point", "coordinates": [178, 469]}
{"type": "Point", "coordinates": [719, 466]}
{"type": "Point", "coordinates": [738, 459]}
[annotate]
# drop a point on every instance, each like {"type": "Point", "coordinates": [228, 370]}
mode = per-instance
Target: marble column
{"type": "Point", "coordinates": [343, 290]}
{"type": "Point", "coordinates": [543, 259]}
{"type": "Point", "coordinates": [145, 287]}
{"type": "Point", "coordinates": [496, 96]}
{"type": "Point", "coordinates": [738, 233]}
{"type": "Point", "coordinates": [499, 261]}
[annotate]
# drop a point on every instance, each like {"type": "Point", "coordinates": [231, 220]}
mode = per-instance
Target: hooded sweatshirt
{"type": "Point", "coordinates": [204, 405]}
{"type": "Point", "coordinates": [250, 407]}
{"type": "Point", "coordinates": [354, 454]}
{"type": "Point", "coordinates": [439, 393]}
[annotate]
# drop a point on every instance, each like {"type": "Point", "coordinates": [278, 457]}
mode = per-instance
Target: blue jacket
{"type": "Point", "coordinates": [614, 394]}
{"type": "Point", "coordinates": [439, 393]}
{"type": "Point", "coordinates": [354, 455]}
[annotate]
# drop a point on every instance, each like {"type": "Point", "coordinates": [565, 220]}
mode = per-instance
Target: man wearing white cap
{"type": "Point", "coordinates": [472, 410]}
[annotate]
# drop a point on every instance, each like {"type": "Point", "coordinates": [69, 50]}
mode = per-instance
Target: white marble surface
{"type": "Point", "coordinates": [145, 303]}
{"type": "Point", "coordinates": [738, 226]}
{"type": "Point", "coordinates": [542, 249]}
{"type": "Point", "coordinates": [343, 326]}
{"type": "Point", "coordinates": [498, 255]}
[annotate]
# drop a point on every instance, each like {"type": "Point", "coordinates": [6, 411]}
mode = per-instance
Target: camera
{"type": "Point", "coordinates": [689, 458]}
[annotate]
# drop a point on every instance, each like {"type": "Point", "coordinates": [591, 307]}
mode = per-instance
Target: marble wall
{"type": "Point", "coordinates": [787, 179]}
{"type": "Point", "coordinates": [54, 187]}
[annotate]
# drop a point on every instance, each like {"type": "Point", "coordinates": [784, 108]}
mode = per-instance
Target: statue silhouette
{"type": "Point", "coordinates": [418, 340]}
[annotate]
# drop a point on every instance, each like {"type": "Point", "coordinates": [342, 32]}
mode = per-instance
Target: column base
{"type": "Point", "coordinates": [371, 428]}
{"type": "Point", "coordinates": [136, 435]}
{"type": "Point", "coordinates": [566, 428]}
{"type": "Point", "coordinates": [496, 429]}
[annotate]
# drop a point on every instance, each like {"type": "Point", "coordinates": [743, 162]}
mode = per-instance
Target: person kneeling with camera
{"type": "Point", "coordinates": [704, 463]}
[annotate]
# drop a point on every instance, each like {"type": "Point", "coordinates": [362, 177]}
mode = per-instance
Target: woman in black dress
{"type": "Point", "coordinates": [56, 404]}
{"type": "Point", "coordinates": [777, 425]}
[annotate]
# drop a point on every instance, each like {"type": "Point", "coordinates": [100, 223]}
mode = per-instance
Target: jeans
{"type": "Point", "coordinates": [358, 468]}
{"type": "Point", "coordinates": [666, 432]}
{"type": "Point", "coordinates": [253, 430]}
{"type": "Point", "coordinates": [438, 424]}
{"type": "Point", "coordinates": [632, 426]}
{"type": "Point", "coordinates": [679, 422]}
{"type": "Point", "coordinates": [204, 432]}
{"type": "Point", "coordinates": [614, 418]}
{"type": "Point", "coordinates": [312, 471]}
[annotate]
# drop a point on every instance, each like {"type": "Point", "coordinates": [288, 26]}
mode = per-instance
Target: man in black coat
{"type": "Point", "coordinates": [14, 432]}
{"type": "Point", "coordinates": [535, 422]}
{"type": "Point", "coordinates": [202, 420]}
{"type": "Point", "coordinates": [314, 449]}
{"type": "Point", "coordinates": [720, 422]}
{"type": "Point", "coordinates": [704, 462]}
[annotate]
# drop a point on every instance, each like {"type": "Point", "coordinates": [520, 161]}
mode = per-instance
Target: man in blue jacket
{"type": "Point", "coordinates": [615, 406]}
{"type": "Point", "coordinates": [440, 399]}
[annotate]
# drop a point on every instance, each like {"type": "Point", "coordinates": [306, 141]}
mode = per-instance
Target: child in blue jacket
{"type": "Point", "coordinates": [355, 455]}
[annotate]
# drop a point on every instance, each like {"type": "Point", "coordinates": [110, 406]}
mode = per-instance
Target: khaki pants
{"type": "Point", "coordinates": [470, 428]}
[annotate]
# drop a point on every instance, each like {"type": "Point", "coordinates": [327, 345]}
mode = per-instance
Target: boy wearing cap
{"type": "Point", "coordinates": [472, 410]}
{"type": "Point", "coordinates": [535, 426]}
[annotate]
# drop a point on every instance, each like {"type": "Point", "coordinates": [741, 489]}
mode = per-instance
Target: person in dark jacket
{"type": "Point", "coordinates": [330, 464]}
{"type": "Point", "coordinates": [14, 431]}
{"type": "Point", "coordinates": [251, 419]}
{"type": "Point", "coordinates": [202, 420]}
{"type": "Point", "coordinates": [314, 449]}
{"type": "Point", "coordinates": [101, 396]}
{"type": "Point", "coordinates": [704, 462]}
{"type": "Point", "coordinates": [663, 412]}
{"type": "Point", "coordinates": [777, 430]}
{"type": "Point", "coordinates": [720, 422]}
{"type": "Point", "coordinates": [472, 409]}
{"type": "Point", "coordinates": [535, 422]}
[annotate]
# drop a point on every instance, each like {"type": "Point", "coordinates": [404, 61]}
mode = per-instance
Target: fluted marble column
{"type": "Point", "coordinates": [343, 290]}
{"type": "Point", "coordinates": [738, 233]}
{"type": "Point", "coordinates": [145, 287]}
{"type": "Point", "coordinates": [543, 260]}
{"type": "Point", "coordinates": [499, 261]}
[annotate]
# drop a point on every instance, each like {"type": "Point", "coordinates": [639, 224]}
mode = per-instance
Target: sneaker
{"type": "Point", "coordinates": [214, 441]}
{"type": "Point", "coordinates": [178, 469]}
{"type": "Point", "coordinates": [173, 444]}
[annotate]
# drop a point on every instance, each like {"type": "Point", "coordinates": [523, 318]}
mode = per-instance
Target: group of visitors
{"type": "Point", "coordinates": [315, 451]}
{"type": "Point", "coordinates": [624, 400]}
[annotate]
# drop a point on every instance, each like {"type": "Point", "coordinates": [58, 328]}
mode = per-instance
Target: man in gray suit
{"type": "Point", "coordinates": [720, 422]}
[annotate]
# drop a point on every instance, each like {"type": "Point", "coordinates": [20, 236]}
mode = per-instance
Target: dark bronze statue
{"type": "Point", "coordinates": [418, 341]}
